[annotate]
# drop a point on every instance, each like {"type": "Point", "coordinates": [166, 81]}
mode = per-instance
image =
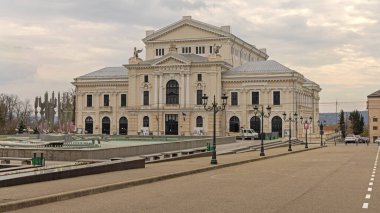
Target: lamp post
{"type": "Point", "coordinates": [215, 108]}
{"type": "Point", "coordinates": [263, 115]}
{"type": "Point", "coordinates": [321, 125]}
{"type": "Point", "coordinates": [306, 127]}
{"type": "Point", "coordinates": [290, 119]}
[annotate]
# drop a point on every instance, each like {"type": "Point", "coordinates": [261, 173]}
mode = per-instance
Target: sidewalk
{"type": "Point", "coordinates": [22, 196]}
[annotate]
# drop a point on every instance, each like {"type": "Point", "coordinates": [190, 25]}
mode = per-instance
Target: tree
{"type": "Point", "coordinates": [357, 122]}
{"type": "Point", "coordinates": [12, 112]}
{"type": "Point", "coordinates": [342, 124]}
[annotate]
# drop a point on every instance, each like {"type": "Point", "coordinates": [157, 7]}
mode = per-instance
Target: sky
{"type": "Point", "coordinates": [45, 44]}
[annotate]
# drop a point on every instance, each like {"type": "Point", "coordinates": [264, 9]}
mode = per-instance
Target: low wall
{"type": "Point", "coordinates": [55, 174]}
{"type": "Point", "coordinates": [59, 154]}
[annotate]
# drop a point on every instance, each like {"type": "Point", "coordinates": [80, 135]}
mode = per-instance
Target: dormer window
{"type": "Point", "coordinates": [186, 50]}
{"type": "Point", "coordinates": [160, 52]}
{"type": "Point", "coordinates": [200, 50]}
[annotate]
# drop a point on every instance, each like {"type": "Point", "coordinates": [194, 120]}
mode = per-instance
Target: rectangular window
{"type": "Point", "coordinates": [146, 79]}
{"type": "Point", "coordinates": [160, 52]}
{"type": "Point", "coordinates": [255, 98]}
{"type": "Point", "coordinates": [374, 119]}
{"type": "Point", "coordinates": [89, 100]}
{"type": "Point", "coordinates": [276, 98]}
{"type": "Point", "coordinates": [234, 98]}
{"type": "Point", "coordinates": [199, 97]}
{"type": "Point", "coordinates": [106, 100]}
{"type": "Point", "coordinates": [187, 50]}
{"type": "Point", "coordinates": [200, 50]}
{"type": "Point", "coordinates": [374, 127]}
{"type": "Point", "coordinates": [199, 77]}
{"type": "Point", "coordinates": [210, 49]}
{"type": "Point", "coordinates": [146, 98]}
{"type": "Point", "coordinates": [123, 100]}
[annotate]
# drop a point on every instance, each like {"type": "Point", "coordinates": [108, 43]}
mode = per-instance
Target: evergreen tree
{"type": "Point", "coordinates": [357, 122]}
{"type": "Point", "coordinates": [342, 124]}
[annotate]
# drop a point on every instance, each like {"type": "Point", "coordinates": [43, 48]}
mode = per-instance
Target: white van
{"type": "Point", "coordinates": [248, 133]}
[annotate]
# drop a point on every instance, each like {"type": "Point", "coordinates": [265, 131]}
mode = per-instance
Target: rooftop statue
{"type": "Point", "coordinates": [216, 48]}
{"type": "Point", "coordinates": [136, 52]}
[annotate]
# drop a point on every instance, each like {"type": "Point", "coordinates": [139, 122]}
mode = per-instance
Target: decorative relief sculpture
{"type": "Point", "coordinates": [48, 109]}
{"type": "Point", "coordinates": [216, 48]}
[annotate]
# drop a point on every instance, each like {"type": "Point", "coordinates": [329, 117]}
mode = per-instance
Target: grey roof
{"type": "Point", "coordinates": [375, 94]}
{"type": "Point", "coordinates": [259, 67]}
{"type": "Point", "coordinates": [107, 72]}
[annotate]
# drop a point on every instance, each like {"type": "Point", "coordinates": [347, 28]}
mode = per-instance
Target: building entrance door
{"type": "Point", "coordinates": [171, 124]}
{"type": "Point", "coordinates": [106, 126]}
{"type": "Point", "coordinates": [277, 125]}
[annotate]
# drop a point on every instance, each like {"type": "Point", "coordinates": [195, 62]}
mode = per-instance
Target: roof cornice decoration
{"type": "Point", "coordinates": [184, 22]}
{"type": "Point", "coordinates": [203, 26]}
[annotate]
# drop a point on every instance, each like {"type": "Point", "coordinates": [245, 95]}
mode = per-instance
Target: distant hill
{"type": "Point", "coordinates": [332, 117]}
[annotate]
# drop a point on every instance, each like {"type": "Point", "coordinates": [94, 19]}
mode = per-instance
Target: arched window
{"type": "Point", "coordinates": [199, 121]}
{"type": "Point", "coordinates": [146, 121]}
{"type": "Point", "coordinates": [89, 124]}
{"type": "Point", "coordinates": [106, 125]}
{"type": "Point", "coordinates": [172, 92]}
{"type": "Point", "coordinates": [234, 124]}
{"type": "Point", "coordinates": [123, 126]}
{"type": "Point", "coordinates": [255, 124]}
{"type": "Point", "coordinates": [277, 125]}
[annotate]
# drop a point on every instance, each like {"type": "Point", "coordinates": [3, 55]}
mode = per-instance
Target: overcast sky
{"type": "Point", "coordinates": [44, 44]}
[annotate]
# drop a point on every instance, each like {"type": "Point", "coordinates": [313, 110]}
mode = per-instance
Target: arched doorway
{"type": "Point", "coordinates": [106, 125]}
{"type": "Point", "coordinates": [277, 125]}
{"type": "Point", "coordinates": [171, 124]}
{"type": "Point", "coordinates": [234, 124]}
{"type": "Point", "coordinates": [123, 126]}
{"type": "Point", "coordinates": [255, 124]}
{"type": "Point", "coordinates": [88, 125]}
{"type": "Point", "coordinates": [172, 92]}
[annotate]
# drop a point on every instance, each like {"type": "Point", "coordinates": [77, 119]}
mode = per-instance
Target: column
{"type": "Point", "coordinates": [155, 89]}
{"type": "Point", "coordinates": [188, 90]}
{"type": "Point", "coordinates": [160, 91]}
{"type": "Point", "coordinates": [182, 102]}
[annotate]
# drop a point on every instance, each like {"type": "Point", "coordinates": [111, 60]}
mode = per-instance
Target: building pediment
{"type": "Point", "coordinates": [187, 28]}
{"type": "Point", "coordinates": [172, 59]}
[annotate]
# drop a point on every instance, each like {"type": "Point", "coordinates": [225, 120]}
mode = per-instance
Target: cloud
{"type": "Point", "coordinates": [45, 44]}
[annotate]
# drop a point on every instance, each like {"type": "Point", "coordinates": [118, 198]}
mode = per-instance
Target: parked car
{"type": "Point", "coordinates": [377, 140]}
{"type": "Point", "coordinates": [248, 134]}
{"type": "Point", "coordinates": [364, 140]}
{"type": "Point", "coordinates": [351, 139]}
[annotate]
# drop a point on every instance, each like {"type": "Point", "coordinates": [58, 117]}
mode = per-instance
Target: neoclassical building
{"type": "Point", "coordinates": [162, 95]}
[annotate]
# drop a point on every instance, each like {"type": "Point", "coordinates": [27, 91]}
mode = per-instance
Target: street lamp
{"type": "Point", "coordinates": [306, 127]}
{"type": "Point", "coordinates": [215, 108]}
{"type": "Point", "coordinates": [290, 119]}
{"type": "Point", "coordinates": [321, 125]}
{"type": "Point", "coordinates": [262, 114]}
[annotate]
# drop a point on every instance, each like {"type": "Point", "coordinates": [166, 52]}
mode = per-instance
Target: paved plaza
{"type": "Point", "coordinates": [331, 179]}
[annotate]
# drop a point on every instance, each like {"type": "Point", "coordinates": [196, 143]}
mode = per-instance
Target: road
{"type": "Point", "coordinates": [333, 179]}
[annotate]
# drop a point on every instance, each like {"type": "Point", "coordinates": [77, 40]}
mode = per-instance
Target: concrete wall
{"type": "Point", "coordinates": [56, 154]}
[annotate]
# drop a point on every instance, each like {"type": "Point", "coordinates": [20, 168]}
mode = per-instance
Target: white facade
{"type": "Point", "coordinates": [184, 61]}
